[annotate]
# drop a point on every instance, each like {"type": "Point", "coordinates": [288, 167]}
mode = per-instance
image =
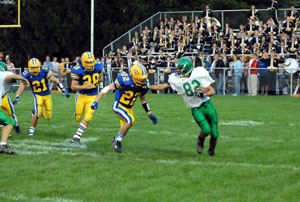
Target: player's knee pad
{"type": "Point", "coordinates": [133, 121]}
{"type": "Point", "coordinates": [88, 117]}
{"type": "Point", "coordinates": [205, 128]}
{"type": "Point", "coordinates": [40, 113]}
{"type": "Point", "coordinates": [48, 115]}
{"type": "Point", "coordinates": [78, 117]}
{"type": "Point", "coordinates": [214, 134]}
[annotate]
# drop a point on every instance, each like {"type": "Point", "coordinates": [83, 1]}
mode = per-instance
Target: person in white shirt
{"type": "Point", "coordinates": [6, 81]}
{"type": "Point", "coordinates": [194, 84]}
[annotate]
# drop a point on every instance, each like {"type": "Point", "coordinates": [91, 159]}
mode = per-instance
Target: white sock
{"type": "Point", "coordinates": [80, 130]}
{"type": "Point", "coordinates": [3, 143]}
{"type": "Point", "coordinates": [31, 130]}
{"type": "Point", "coordinates": [119, 137]}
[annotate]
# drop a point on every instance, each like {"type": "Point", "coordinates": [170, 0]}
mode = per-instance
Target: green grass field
{"type": "Point", "coordinates": [257, 156]}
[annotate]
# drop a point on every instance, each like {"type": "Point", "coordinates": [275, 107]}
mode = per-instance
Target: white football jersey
{"type": "Point", "coordinates": [3, 85]}
{"type": "Point", "coordinates": [187, 86]}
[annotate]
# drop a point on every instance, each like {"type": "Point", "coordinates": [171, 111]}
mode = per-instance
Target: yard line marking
{"type": "Point", "coordinates": [22, 197]}
{"type": "Point", "coordinates": [241, 123]}
{"type": "Point", "coordinates": [248, 165]}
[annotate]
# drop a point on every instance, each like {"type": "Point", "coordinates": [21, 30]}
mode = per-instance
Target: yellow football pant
{"type": "Point", "coordinates": [7, 106]}
{"type": "Point", "coordinates": [125, 115]}
{"type": "Point", "coordinates": [43, 106]}
{"type": "Point", "coordinates": [84, 102]}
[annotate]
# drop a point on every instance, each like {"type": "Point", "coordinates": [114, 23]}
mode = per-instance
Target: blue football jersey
{"type": "Point", "coordinates": [127, 92]}
{"type": "Point", "coordinates": [39, 84]}
{"type": "Point", "coordinates": [83, 77]}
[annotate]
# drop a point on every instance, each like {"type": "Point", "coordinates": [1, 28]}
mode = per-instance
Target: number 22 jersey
{"type": "Point", "coordinates": [127, 92]}
{"type": "Point", "coordinates": [39, 84]}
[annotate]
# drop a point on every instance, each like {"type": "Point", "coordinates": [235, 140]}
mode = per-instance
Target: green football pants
{"type": "Point", "coordinates": [6, 120]}
{"type": "Point", "coordinates": [207, 118]}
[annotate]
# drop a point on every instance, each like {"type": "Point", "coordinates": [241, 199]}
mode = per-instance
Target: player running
{"type": "Point", "coordinates": [38, 77]}
{"type": "Point", "coordinates": [195, 87]}
{"type": "Point", "coordinates": [6, 80]}
{"type": "Point", "coordinates": [128, 88]}
{"type": "Point", "coordinates": [85, 80]}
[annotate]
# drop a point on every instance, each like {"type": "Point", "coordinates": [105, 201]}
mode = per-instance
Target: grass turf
{"type": "Point", "coordinates": [257, 156]}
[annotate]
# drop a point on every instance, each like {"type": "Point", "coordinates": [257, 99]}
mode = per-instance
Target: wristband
{"type": "Point", "coordinates": [61, 86]}
{"type": "Point", "coordinates": [146, 107]}
{"type": "Point", "coordinates": [105, 89]}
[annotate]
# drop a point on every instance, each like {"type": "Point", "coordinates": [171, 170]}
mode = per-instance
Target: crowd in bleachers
{"type": "Point", "coordinates": [203, 39]}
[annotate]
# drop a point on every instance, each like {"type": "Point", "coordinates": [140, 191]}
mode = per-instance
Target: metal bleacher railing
{"type": "Point", "coordinates": [286, 82]}
{"type": "Point", "coordinates": [233, 17]}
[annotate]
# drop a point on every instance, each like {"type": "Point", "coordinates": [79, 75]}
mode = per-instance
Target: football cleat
{"type": "Point", "coordinates": [117, 145]}
{"type": "Point", "coordinates": [4, 150]}
{"type": "Point", "coordinates": [31, 133]}
{"type": "Point", "coordinates": [199, 146]}
{"type": "Point", "coordinates": [18, 129]}
{"type": "Point", "coordinates": [75, 140]}
{"type": "Point", "coordinates": [211, 152]}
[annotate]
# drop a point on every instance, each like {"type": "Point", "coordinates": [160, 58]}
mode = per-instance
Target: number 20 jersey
{"type": "Point", "coordinates": [127, 92]}
{"type": "Point", "coordinates": [39, 84]}
{"type": "Point", "coordinates": [84, 77]}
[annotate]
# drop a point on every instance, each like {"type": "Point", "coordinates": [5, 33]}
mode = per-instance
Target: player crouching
{"type": "Point", "coordinates": [128, 88]}
{"type": "Point", "coordinates": [195, 87]}
{"type": "Point", "coordinates": [38, 77]}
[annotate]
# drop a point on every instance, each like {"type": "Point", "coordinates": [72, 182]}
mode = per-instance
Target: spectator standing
{"type": "Point", "coordinates": [221, 73]}
{"type": "Point", "coordinates": [263, 73]}
{"type": "Point", "coordinates": [56, 71]}
{"type": "Point", "coordinates": [65, 71]}
{"type": "Point", "coordinates": [252, 75]}
{"type": "Point", "coordinates": [244, 79]}
{"type": "Point", "coordinates": [1, 57]}
{"type": "Point", "coordinates": [168, 64]}
{"type": "Point", "coordinates": [237, 71]}
{"type": "Point", "coordinates": [10, 65]}
{"type": "Point", "coordinates": [48, 63]}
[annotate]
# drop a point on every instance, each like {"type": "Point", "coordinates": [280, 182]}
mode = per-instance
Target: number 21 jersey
{"type": "Point", "coordinates": [39, 84]}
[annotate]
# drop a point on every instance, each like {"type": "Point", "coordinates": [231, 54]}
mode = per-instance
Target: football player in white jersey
{"type": "Point", "coordinates": [6, 81]}
{"type": "Point", "coordinates": [194, 84]}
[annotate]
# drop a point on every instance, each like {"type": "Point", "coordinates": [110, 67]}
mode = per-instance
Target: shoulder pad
{"type": "Point", "coordinates": [99, 66]}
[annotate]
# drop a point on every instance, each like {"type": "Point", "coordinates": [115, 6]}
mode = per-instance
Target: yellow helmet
{"type": "Point", "coordinates": [138, 74]}
{"type": "Point", "coordinates": [34, 66]}
{"type": "Point", "coordinates": [88, 61]}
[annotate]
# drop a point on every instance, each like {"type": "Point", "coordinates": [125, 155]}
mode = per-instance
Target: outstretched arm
{"type": "Point", "coordinates": [60, 86]}
{"type": "Point", "coordinates": [160, 86]}
{"type": "Point", "coordinates": [147, 109]}
{"type": "Point", "coordinates": [103, 92]}
{"type": "Point", "coordinates": [24, 82]}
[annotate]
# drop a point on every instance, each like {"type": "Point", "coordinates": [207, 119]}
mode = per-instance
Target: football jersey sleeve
{"type": "Point", "coordinates": [99, 66]}
{"type": "Point", "coordinates": [75, 74]}
{"type": "Point", "coordinates": [25, 74]}
{"type": "Point", "coordinates": [47, 71]}
{"type": "Point", "coordinates": [204, 78]}
{"type": "Point", "coordinates": [175, 82]}
{"type": "Point", "coordinates": [119, 82]}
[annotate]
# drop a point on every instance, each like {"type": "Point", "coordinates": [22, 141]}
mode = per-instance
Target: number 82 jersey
{"type": "Point", "coordinates": [78, 73]}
